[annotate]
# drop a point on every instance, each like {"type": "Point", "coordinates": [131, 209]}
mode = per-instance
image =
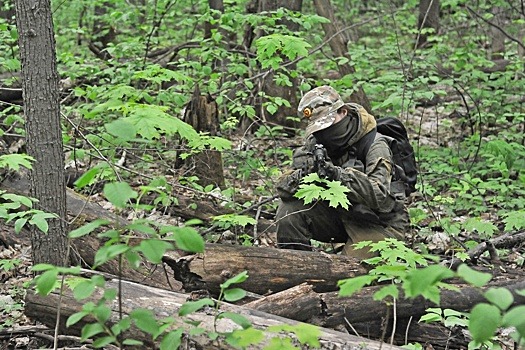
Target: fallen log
{"type": "Point", "coordinates": [80, 211]}
{"type": "Point", "coordinates": [331, 310]}
{"type": "Point", "coordinates": [271, 270]}
{"type": "Point", "coordinates": [363, 315]}
{"type": "Point", "coordinates": [504, 241]}
{"type": "Point", "coordinates": [165, 303]}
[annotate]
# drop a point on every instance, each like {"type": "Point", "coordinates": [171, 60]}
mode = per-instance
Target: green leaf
{"type": "Point", "coordinates": [19, 224]}
{"type": "Point", "coordinates": [46, 282]}
{"type": "Point", "coordinates": [75, 318]}
{"type": "Point", "coordinates": [349, 286]}
{"type": "Point", "coordinates": [151, 122]}
{"type": "Point", "coordinates": [40, 221]}
{"type": "Point", "coordinates": [15, 198]}
{"type": "Point", "coordinates": [234, 294]}
{"type": "Point", "coordinates": [43, 267]}
{"type": "Point", "coordinates": [235, 219]}
{"type": "Point", "coordinates": [172, 340]}
{"type": "Point", "coordinates": [103, 341]}
{"type": "Point", "coordinates": [88, 228]}
{"type": "Point", "coordinates": [121, 129]}
{"type": "Point", "coordinates": [336, 194]}
{"type": "Point", "coordinates": [308, 192]}
{"type": "Point", "coordinates": [119, 193]}
{"type": "Point", "coordinates": [243, 338]}
{"type": "Point", "coordinates": [154, 249]}
{"type": "Point", "coordinates": [145, 321]}
{"type": "Point", "coordinates": [514, 318]}
{"type": "Point", "coordinates": [483, 227]}
{"type": "Point", "coordinates": [484, 320]}
{"type": "Point", "coordinates": [189, 239]}
{"type": "Point", "coordinates": [239, 278]}
{"type": "Point", "coordinates": [433, 315]}
{"type": "Point", "coordinates": [133, 342]}
{"type": "Point", "coordinates": [238, 319]}
{"type": "Point", "coordinates": [15, 161]}
{"type": "Point", "coordinates": [84, 290]}
{"type": "Point", "coordinates": [514, 220]}
{"type": "Point", "coordinates": [308, 334]}
{"type": "Point", "coordinates": [87, 177]}
{"type": "Point", "coordinates": [102, 313]}
{"type": "Point", "coordinates": [390, 290]}
{"type": "Point", "coordinates": [192, 306]}
{"type": "Point", "coordinates": [90, 330]}
{"type": "Point", "coordinates": [106, 253]}
{"type": "Point", "coordinates": [501, 297]}
{"type": "Point", "coordinates": [476, 278]}
{"type": "Point", "coordinates": [423, 281]}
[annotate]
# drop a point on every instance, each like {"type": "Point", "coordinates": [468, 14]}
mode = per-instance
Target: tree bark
{"type": "Point", "coordinates": [271, 270]}
{"type": "Point", "coordinates": [44, 136]}
{"type": "Point", "coordinates": [496, 33]}
{"type": "Point", "coordinates": [164, 303]}
{"type": "Point", "coordinates": [331, 310]}
{"type": "Point", "coordinates": [203, 115]}
{"type": "Point", "coordinates": [338, 44]}
{"type": "Point", "coordinates": [428, 19]}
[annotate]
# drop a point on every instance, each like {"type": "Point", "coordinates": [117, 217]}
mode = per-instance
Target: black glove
{"type": "Point", "coordinates": [303, 160]}
{"type": "Point", "coordinates": [288, 184]}
{"type": "Point", "coordinates": [329, 171]}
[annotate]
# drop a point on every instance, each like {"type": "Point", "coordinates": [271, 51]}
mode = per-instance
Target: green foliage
{"type": "Point", "coordinates": [271, 47]}
{"type": "Point", "coordinates": [486, 318]}
{"type": "Point", "coordinates": [398, 264]}
{"type": "Point", "coordinates": [448, 317]}
{"type": "Point", "coordinates": [15, 161]}
{"type": "Point", "coordinates": [19, 209]}
{"type": "Point", "coordinates": [226, 221]}
{"type": "Point", "coordinates": [314, 188]}
{"type": "Point", "coordinates": [132, 103]}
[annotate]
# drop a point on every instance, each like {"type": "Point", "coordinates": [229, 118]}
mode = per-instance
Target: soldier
{"type": "Point", "coordinates": [358, 157]}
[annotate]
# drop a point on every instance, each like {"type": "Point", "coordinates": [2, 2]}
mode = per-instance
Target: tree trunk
{"type": "Point", "coordinates": [364, 314]}
{"type": "Point", "coordinates": [164, 303]}
{"type": "Point", "coordinates": [216, 5]}
{"type": "Point", "coordinates": [338, 44]}
{"type": "Point", "coordinates": [7, 11]}
{"type": "Point", "coordinates": [497, 36]}
{"type": "Point", "coordinates": [271, 270]}
{"type": "Point", "coordinates": [44, 137]}
{"type": "Point", "coordinates": [269, 86]}
{"type": "Point", "coordinates": [428, 19]}
{"type": "Point", "coordinates": [203, 115]}
{"type": "Point", "coordinates": [103, 33]}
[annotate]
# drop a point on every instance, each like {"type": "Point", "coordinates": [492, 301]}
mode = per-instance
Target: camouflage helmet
{"type": "Point", "coordinates": [320, 107]}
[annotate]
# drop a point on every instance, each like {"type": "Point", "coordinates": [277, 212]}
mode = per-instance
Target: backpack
{"type": "Point", "coordinates": [402, 151]}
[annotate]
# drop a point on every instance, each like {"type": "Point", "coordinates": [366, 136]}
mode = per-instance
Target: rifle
{"type": "Point", "coordinates": [320, 160]}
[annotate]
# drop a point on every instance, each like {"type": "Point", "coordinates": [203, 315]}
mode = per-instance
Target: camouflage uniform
{"type": "Point", "coordinates": [377, 210]}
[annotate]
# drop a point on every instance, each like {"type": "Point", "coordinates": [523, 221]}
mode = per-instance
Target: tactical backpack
{"type": "Point", "coordinates": [402, 151]}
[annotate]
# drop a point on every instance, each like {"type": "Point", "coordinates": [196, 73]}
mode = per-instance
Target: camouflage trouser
{"type": "Point", "coordinates": [298, 223]}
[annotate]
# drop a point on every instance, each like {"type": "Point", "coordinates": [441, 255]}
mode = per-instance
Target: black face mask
{"type": "Point", "coordinates": [337, 136]}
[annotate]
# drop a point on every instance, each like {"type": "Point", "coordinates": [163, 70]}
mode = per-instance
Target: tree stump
{"type": "Point", "coordinates": [203, 115]}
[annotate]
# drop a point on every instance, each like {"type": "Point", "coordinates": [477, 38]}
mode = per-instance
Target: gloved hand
{"type": "Point", "coordinates": [304, 160]}
{"type": "Point", "coordinates": [288, 184]}
{"type": "Point", "coordinates": [329, 171]}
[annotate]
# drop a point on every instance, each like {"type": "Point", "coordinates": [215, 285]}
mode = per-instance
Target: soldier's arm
{"type": "Point", "coordinates": [372, 188]}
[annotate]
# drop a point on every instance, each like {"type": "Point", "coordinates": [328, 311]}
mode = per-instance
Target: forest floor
{"type": "Point", "coordinates": [19, 332]}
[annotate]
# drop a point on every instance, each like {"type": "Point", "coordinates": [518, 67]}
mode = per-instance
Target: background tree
{"type": "Point", "coordinates": [43, 130]}
{"type": "Point", "coordinates": [428, 19]}
{"type": "Point", "coordinates": [272, 84]}
{"type": "Point", "coordinates": [339, 45]}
